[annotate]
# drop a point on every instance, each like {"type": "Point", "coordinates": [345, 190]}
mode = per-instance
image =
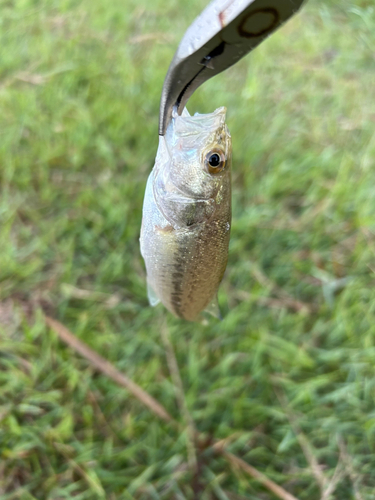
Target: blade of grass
{"type": "Point", "coordinates": [332, 484]}
{"type": "Point", "coordinates": [304, 443]}
{"type": "Point", "coordinates": [354, 476]}
{"type": "Point", "coordinates": [327, 486]}
{"type": "Point", "coordinates": [283, 297]}
{"type": "Point", "coordinates": [94, 485]}
{"type": "Point", "coordinates": [267, 483]}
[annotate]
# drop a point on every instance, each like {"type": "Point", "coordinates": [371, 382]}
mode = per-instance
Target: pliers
{"type": "Point", "coordinates": [222, 34]}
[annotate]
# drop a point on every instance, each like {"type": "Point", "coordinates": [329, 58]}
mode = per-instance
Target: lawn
{"type": "Point", "coordinates": [287, 379]}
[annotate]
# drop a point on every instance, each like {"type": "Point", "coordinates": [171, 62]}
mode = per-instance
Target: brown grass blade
{"type": "Point", "coordinates": [327, 486]}
{"type": "Point", "coordinates": [354, 476]}
{"type": "Point", "coordinates": [108, 369]}
{"type": "Point", "coordinates": [180, 395]}
{"type": "Point", "coordinates": [267, 483]}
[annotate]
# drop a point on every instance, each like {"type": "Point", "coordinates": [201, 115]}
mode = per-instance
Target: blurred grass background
{"type": "Point", "coordinates": [290, 371]}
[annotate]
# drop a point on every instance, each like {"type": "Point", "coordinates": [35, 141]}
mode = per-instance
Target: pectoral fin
{"type": "Point", "coordinates": [152, 297]}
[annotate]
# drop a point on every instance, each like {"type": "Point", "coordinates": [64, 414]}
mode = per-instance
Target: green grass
{"type": "Point", "coordinates": [80, 84]}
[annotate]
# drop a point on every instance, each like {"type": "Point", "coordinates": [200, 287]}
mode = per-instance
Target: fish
{"type": "Point", "coordinates": [186, 218]}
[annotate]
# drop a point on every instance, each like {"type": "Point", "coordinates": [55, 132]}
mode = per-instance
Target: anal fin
{"type": "Point", "coordinates": [213, 309]}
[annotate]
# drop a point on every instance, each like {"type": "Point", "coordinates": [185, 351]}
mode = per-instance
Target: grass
{"type": "Point", "coordinates": [288, 376]}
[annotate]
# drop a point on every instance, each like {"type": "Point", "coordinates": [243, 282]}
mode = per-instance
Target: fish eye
{"type": "Point", "coordinates": [215, 161]}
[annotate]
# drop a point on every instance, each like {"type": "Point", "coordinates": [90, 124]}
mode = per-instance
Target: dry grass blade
{"type": "Point", "coordinates": [304, 443]}
{"type": "Point", "coordinates": [327, 486]}
{"type": "Point", "coordinates": [283, 303]}
{"type": "Point", "coordinates": [283, 298]}
{"type": "Point", "coordinates": [331, 485]}
{"type": "Point", "coordinates": [267, 483]}
{"type": "Point", "coordinates": [97, 487]}
{"type": "Point", "coordinates": [354, 476]}
{"type": "Point", "coordinates": [309, 455]}
{"type": "Point", "coordinates": [234, 496]}
{"type": "Point", "coordinates": [149, 37]}
{"type": "Point", "coordinates": [180, 395]}
{"type": "Point", "coordinates": [108, 369]}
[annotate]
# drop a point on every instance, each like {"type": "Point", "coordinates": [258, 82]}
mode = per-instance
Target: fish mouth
{"type": "Point", "coordinates": [198, 123]}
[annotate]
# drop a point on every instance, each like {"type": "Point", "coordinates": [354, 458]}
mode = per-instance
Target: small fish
{"type": "Point", "coordinates": [187, 214]}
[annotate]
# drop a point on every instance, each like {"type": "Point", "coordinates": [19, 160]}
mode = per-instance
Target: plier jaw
{"type": "Point", "coordinates": [223, 33]}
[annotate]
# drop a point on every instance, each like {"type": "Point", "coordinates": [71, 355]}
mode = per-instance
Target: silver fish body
{"type": "Point", "coordinates": [187, 214]}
